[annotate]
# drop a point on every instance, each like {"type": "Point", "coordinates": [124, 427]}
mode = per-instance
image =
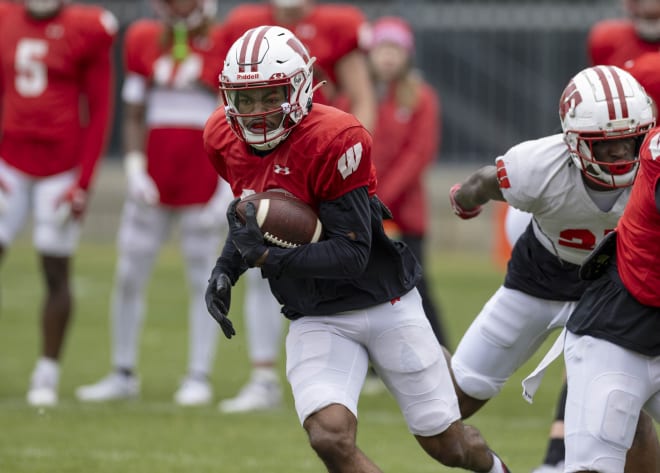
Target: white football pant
{"type": "Point", "coordinates": [143, 230]}
{"type": "Point", "coordinates": [328, 357]}
{"type": "Point", "coordinates": [50, 236]}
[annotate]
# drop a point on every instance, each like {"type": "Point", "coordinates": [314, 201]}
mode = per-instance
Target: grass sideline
{"type": "Point", "coordinates": [153, 435]}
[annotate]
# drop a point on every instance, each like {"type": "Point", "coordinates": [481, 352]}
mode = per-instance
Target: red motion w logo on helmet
{"type": "Point", "coordinates": [570, 99]}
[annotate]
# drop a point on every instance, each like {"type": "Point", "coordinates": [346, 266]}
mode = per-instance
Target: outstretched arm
{"type": "Point", "coordinates": [480, 187]}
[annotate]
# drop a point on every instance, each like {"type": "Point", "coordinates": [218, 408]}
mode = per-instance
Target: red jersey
{"type": "Point", "coordinates": [46, 67]}
{"type": "Point", "coordinates": [329, 32]}
{"type": "Point", "coordinates": [638, 242]}
{"type": "Point", "coordinates": [405, 144]}
{"type": "Point", "coordinates": [327, 155]}
{"type": "Point", "coordinates": [645, 69]}
{"type": "Point", "coordinates": [179, 96]}
{"type": "Point", "coordinates": [615, 41]}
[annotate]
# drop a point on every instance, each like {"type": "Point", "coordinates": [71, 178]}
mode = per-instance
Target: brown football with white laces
{"type": "Point", "coordinates": [285, 220]}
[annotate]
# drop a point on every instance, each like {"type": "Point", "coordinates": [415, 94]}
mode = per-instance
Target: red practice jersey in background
{"type": "Point", "coordinates": [46, 66]}
{"type": "Point", "coordinates": [614, 42]}
{"type": "Point", "coordinates": [638, 242]}
{"type": "Point", "coordinates": [405, 144]}
{"type": "Point", "coordinates": [330, 32]}
{"type": "Point", "coordinates": [180, 97]}
{"type": "Point", "coordinates": [327, 155]}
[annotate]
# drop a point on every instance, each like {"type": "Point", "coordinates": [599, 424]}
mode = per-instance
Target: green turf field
{"type": "Point", "coordinates": [153, 435]}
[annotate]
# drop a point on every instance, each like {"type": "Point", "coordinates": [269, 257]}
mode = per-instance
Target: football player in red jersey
{"type": "Point", "coordinates": [331, 33]}
{"type": "Point", "coordinates": [612, 351]}
{"type": "Point", "coordinates": [170, 90]}
{"type": "Point", "coordinates": [616, 41]}
{"type": "Point", "coordinates": [350, 298]}
{"type": "Point", "coordinates": [51, 54]}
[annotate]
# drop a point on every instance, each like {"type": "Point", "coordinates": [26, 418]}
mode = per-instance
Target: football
{"type": "Point", "coordinates": [284, 220]}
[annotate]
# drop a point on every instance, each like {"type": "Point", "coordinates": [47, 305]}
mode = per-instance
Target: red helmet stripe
{"type": "Point", "coordinates": [299, 48]}
{"type": "Point", "coordinates": [254, 60]}
{"type": "Point", "coordinates": [608, 92]}
{"type": "Point", "coordinates": [243, 53]}
{"type": "Point", "coordinates": [620, 92]}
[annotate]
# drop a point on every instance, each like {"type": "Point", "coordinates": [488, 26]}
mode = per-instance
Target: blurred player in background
{"type": "Point", "coordinates": [56, 81]}
{"type": "Point", "coordinates": [350, 298]}
{"type": "Point", "coordinates": [631, 43]}
{"type": "Point", "coordinates": [611, 350]}
{"type": "Point", "coordinates": [331, 33]}
{"type": "Point", "coordinates": [169, 92]}
{"type": "Point", "coordinates": [576, 185]}
{"type": "Point", "coordinates": [616, 41]}
{"type": "Point", "coordinates": [405, 141]}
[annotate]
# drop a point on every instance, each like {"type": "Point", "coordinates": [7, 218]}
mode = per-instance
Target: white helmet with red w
{"type": "Point", "coordinates": [604, 103]}
{"type": "Point", "coordinates": [264, 57]}
{"type": "Point", "coordinates": [197, 13]}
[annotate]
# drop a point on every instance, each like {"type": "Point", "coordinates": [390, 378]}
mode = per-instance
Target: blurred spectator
{"type": "Point", "coordinates": [54, 57]}
{"type": "Point", "coordinates": [169, 91]}
{"type": "Point", "coordinates": [331, 33]}
{"type": "Point", "coordinates": [405, 141]}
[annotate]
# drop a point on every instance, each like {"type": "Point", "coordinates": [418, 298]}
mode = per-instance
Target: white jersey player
{"type": "Point", "coordinates": [575, 185]}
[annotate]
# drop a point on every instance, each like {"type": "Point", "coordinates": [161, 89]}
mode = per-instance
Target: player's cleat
{"type": "Point", "coordinates": [43, 383]}
{"type": "Point", "coordinates": [257, 395]}
{"type": "Point", "coordinates": [545, 468]}
{"type": "Point", "coordinates": [114, 387]}
{"type": "Point", "coordinates": [42, 396]}
{"type": "Point", "coordinates": [193, 392]}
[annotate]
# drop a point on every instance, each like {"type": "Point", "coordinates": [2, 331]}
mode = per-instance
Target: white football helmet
{"type": "Point", "coordinates": [267, 56]}
{"type": "Point", "coordinates": [204, 10]}
{"type": "Point", "coordinates": [43, 8]}
{"type": "Point", "coordinates": [604, 103]}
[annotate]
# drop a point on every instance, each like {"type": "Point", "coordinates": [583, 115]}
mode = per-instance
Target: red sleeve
{"type": "Point", "coordinates": [345, 22]}
{"type": "Point", "coordinates": [346, 164]}
{"type": "Point", "coordinates": [137, 36]}
{"type": "Point", "coordinates": [213, 141]}
{"type": "Point", "coordinates": [645, 69]}
{"type": "Point", "coordinates": [213, 62]}
{"type": "Point", "coordinates": [242, 18]}
{"type": "Point", "coordinates": [417, 152]}
{"type": "Point", "coordinates": [599, 47]}
{"type": "Point", "coordinates": [97, 86]}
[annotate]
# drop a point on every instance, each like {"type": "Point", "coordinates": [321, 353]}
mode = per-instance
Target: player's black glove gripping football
{"type": "Point", "coordinates": [247, 238]}
{"type": "Point", "coordinates": [218, 300]}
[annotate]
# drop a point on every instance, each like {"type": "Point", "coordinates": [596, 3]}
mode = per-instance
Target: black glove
{"type": "Point", "coordinates": [218, 300]}
{"type": "Point", "coordinates": [247, 238]}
